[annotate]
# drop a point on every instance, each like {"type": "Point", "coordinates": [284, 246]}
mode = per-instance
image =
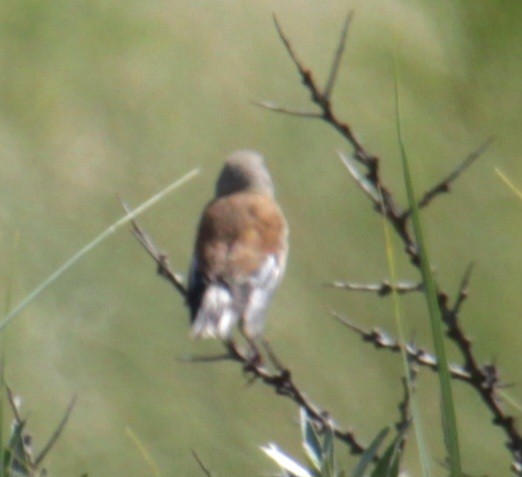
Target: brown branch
{"type": "Point", "coordinates": [462, 293]}
{"type": "Point", "coordinates": [397, 217]}
{"type": "Point", "coordinates": [444, 185]}
{"type": "Point", "coordinates": [338, 56]}
{"type": "Point", "coordinates": [382, 340]}
{"type": "Point", "coordinates": [282, 383]}
{"type": "Point", "coordinates": [405, 417]}
{"type": "Point", "coordinates": [290, 112]}
{"type": "Point", "coordinates": [388, 207]}
{"type": "Point", "coordinates": [383, 288]}
{"type": "Point", "coordinates": [322, 100]}
{"type": "Point", "coordinates": [485, 381]}
{"type": "Point", "coordinates": [455, 332]}
{"type": "Point", "coordinates": [483, 378]}
{"type": "Point", "coordinates": [403, 407]}
{"type": "Point", "coordinates": [163, 268]}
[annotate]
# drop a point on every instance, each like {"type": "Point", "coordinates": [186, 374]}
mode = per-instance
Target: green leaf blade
{"type": "Point", "coordinates": [449, 420]}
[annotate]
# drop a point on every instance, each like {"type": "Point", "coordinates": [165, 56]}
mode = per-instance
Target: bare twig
{"type": "Point", "coordinates": [405, 417]}
{"type": "Point", "coordinates": [159, 257]}
{"type": "Point", "coordinates": [338, 56]}
{"type": "Point", "coordinates": [56, 434]}
{"type": "Point", "coordinates": [202, 466]}
{"type": "Point", "coordinates": [290, 112]}
{"type": "Point", "coordinates": [404, 405]}
{"type": "Point", "coordinates": [462, 293]}
{"type": "Point", "coordinates": [393, 213]}
{"type": "Point", "coordinates": [485, 383]}
{"type": "Point", "coordinates": [383, 288]}
{"type": "Point", "coordinates": [321, 100]}
{"type": "Point", "coordinates": [485, 378]}
{"type": "Point", "coordinates": [444, 185]}
{"type": "Point", "coordinates": [397, 217]}
{"type": "Point", "coordinates": [282, 383]}
{"type": "Point", "coordinates": [382, 340]}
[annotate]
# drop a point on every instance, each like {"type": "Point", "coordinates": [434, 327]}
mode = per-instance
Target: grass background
{"type": "Point", "coordinates": [120, 97]}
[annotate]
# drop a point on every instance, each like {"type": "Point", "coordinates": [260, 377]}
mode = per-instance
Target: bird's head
{"type": "Point", "coordinates": [244, 171]}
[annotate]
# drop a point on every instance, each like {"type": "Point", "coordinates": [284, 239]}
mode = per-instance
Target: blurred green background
{"type": "Point", "coordinates": [107, 97]}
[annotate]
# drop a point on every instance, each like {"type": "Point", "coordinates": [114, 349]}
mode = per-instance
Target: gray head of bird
{"type": "Point", "coordinates": [244, 171]}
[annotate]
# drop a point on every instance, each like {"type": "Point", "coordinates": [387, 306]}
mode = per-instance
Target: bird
{"type": "Point", "coordinates": [240, 253]}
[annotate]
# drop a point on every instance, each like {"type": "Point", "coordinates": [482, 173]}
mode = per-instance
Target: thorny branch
{"type": "Point", "coordinates": [160, 258]}
{"type": "Point", "coordinates": [382, 340]}
{"type": "Point", "coordinates": [280, 381]}
{"type": "Point", "coordinates": [338, 56]}
{"type": "Point", "coordinates": [381, 289]}
{"type": "Point", "coordinates": [444, 185]}
{"type": "Point", "coordinates": [484, 386]}
{"type": "Point", "coordinates": [483, 378]}
{"type": "Point", "coordinates": [323, 100]}
{"type": "Point", "coordinates": [405, 418]}
{"type": "Point", "coordinates": [284, 385]}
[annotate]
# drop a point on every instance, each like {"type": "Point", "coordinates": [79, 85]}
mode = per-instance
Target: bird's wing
{"type": "Point", "coordinates": [197, 284]}
{"type": "Point", "coordinates": [257, 293]}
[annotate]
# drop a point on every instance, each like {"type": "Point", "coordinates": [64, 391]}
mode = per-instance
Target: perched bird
{"type": "Point", "coordinates": [240, 252]}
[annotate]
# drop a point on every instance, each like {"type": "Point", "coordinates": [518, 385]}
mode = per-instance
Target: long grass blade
{"type": "Point", "coordinates": [449, 420]}
{"type": "Point", "coordinates": [143, 451]}
{"type": "Point", "coordinates": [510, 184]}
{"type": "Point", "coordinates": [94, 243]}
{"type": "Point", "coordinates": [413, 401]}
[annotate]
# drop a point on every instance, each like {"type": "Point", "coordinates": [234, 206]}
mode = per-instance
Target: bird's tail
{"type": "Point", "coordinates": [216, 317]}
